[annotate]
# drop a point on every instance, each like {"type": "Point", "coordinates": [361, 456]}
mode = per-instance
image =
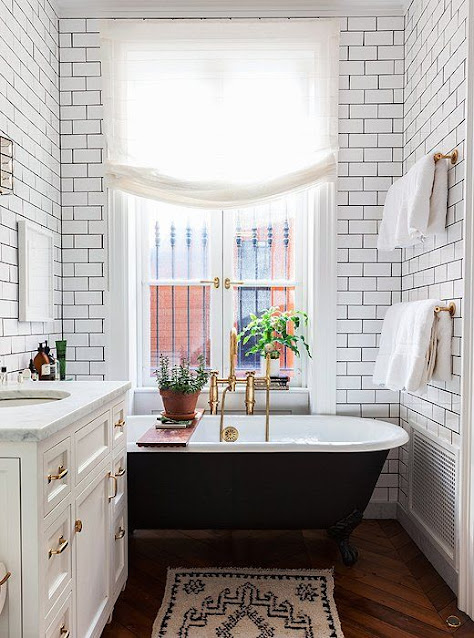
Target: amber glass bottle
{"type": "Point", "coordinates": [42, 364]}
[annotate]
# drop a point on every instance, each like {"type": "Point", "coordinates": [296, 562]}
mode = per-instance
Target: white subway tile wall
{"type": "Point", "coordinates": [371, 139]}
{"type": "Point", "coordinates": [29, 115]}
{"type": "Point", "coordinates": [83, 198]}
{"type": "Point", "coordinates": [435, 105]}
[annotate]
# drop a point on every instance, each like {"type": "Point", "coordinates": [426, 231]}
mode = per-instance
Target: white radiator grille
{"type": "Point", "coordinates": [433, 490]}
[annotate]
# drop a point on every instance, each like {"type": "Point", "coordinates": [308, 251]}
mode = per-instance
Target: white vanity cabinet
{"type": "Point", "coordinates": [63, 526]}
{"type": "Point", "coordinates": [10, 548]}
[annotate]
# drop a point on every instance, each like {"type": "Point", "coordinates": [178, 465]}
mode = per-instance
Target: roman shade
{"type": "Point", "coordinates": [219, 113]}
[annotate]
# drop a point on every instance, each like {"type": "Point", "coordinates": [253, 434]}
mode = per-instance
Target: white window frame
{"type": "Point", "coordinates": [221, 316]}
{"type": "Point", "coordinates": [121, 325]}
{"type": "Point", "coordinates": [300, 275]}
{"type": "Point", "coordinates": [143, 292]}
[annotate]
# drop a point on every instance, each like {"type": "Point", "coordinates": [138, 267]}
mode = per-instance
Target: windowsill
{"type": "Point", "coordinates": [239, 390]}
{"type": "Point", "coordinates": [293, 401]}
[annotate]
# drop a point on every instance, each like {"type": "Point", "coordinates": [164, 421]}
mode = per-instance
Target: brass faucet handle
{"type": "Point", "coordinates": [213, 391]}
{"type": "Point", "coordinates": [250, 373]}
{"type": "Point", "coordinates": [250, 392]}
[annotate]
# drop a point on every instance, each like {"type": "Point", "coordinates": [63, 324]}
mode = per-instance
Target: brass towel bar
{"type": "Point", "coordinates": [451, 308]}
{"type": "Point", "coordinates": [451, 156]}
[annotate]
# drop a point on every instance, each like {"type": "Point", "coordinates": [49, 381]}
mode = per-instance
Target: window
{"type": "Point", "coordinates": [258, 255]}
{"type": "Point", "coordinates": [205, 123]}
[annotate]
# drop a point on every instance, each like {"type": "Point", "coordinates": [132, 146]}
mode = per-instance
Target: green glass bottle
{"type": "Point", "coordinates": [61, 347]}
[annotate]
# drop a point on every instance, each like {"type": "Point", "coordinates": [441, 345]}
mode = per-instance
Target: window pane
{"type": "Point", "coordinates": [178, 241]}
{"type": "Point", "coordinates": [254, 300]}
{"type": "Point", "coordinates": [179, 324]}
{"type": "Point", "coordinates": [264, 240]}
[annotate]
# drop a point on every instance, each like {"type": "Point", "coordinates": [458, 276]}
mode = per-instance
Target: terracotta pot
{"type": "Point", "coordinates": [178, 406]}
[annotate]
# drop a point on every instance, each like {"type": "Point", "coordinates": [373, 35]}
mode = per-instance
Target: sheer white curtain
{"type": "Point", "coordinates": [219, 113]}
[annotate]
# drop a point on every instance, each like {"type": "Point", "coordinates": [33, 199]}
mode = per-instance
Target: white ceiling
{"type": "Point", "coordinates": [227, 8]}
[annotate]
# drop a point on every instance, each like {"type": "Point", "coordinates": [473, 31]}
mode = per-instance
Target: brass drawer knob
{"type": "Point", "coordinates": [119, 423]}
{"type": "Point", "coordinates": [63, 543]}
{"type": "Point", "coordinates": [78, 526]}
{"type": "Point", "coordinates": [62, 472]}
{"type": "Point", "coordinates": [5, 578]}
{"type": "Point", "coordinates": [120, 534]}
{"type": "Point", "coordinates": [63, 632]}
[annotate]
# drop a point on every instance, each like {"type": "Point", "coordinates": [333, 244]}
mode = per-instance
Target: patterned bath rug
{"type": "Point", "coordinates": [248, 603]}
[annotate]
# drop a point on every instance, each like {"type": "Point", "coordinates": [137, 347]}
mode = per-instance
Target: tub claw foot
{"type": "Point", "coordinates": [341, 531]}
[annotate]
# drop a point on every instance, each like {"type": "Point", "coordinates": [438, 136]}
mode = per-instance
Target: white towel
{"type": "Point", "coordinates": [415, 206]}
{"type": "Point", "coordinates": [443, 369]}
{"type": "Point", "coordinates": [413, 346]}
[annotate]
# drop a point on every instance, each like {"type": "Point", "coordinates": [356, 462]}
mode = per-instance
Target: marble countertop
{"type": "Point", "coordinates": [37, 422]}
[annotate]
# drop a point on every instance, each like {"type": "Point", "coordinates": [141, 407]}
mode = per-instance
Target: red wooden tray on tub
{"type": "Point", "coordinates": [178, 437]}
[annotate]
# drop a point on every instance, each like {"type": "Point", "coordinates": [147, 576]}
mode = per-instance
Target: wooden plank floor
{"type": "Point", "coordinates": [392, 592]}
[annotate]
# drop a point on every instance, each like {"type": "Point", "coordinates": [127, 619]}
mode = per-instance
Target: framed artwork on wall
{"type": "Point", "coordinates": [36, 272]}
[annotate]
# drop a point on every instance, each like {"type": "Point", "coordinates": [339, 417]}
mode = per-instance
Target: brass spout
{"type": "Point", "coordinates": [267, 397]}
{"type": "Point", "coordinates": [233, 358]}
{"type": "Point", "coordinates": [232, 381]}
{"type": "Point", "coordinates": [221, 428]}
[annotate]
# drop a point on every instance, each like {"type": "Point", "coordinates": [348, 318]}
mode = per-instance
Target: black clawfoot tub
{"type": "Point", "coordinates": [317, 472]}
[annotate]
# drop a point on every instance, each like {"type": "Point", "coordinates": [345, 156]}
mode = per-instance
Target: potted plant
{"type": "Point", "coordinates": [273, 330]}
{"type": "Point", "coordinates": [180, 387]}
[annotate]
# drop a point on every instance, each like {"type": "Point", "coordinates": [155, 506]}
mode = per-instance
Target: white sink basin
{"type": "Point", "coordinates": [19, 398]}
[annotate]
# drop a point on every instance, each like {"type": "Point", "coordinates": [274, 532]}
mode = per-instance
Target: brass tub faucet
{"type": "Point", "coordinates": [231, 383]}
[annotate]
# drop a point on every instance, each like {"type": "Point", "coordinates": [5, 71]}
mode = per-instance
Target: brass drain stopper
{"type": "Point", "coordinates": [230, 434]}
{"type": "Point", "coordinates": [453, 621]}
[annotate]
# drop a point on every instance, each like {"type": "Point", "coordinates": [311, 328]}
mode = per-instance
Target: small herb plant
{"type": "Point", "coordinates": [180, 378]}
{"type": "Point", "coordinates": [271, 328]}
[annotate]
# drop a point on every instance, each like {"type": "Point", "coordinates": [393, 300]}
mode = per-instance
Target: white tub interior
{"type": "Point", "coordinates": [287, 433]}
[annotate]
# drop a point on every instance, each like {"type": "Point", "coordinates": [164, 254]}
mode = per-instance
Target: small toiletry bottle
{"type": "Point", "coordinates": [52, 363]}
{"type": "Point", "coordinates": [19, 378]}
{"type": "Point", "coordinates": [61, 347]}
{"type": "Point", "coordinates": [26, 374]}
{"type": "Point", "coordinates": [57, 376]}
{"type": "Point", "coordinates": [42, 365]}
{"type": "Point", "coordinates": [32, 370]}
{"type": "Point", "coordinates": [3, 375]}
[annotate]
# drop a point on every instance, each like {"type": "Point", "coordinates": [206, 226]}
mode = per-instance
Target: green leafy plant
{"type": "Point", "coordinates": [180, 378]}
{"type": "Point", "coordinates": [274, 327]}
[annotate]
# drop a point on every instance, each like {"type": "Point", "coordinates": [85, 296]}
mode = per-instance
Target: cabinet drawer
{"type": "Point", "coordinates": [56, 475]}
{"type": "Point", "coordinates": [56, 558]}
{"type": "Point", "coordinates": [93, 553]}
{"type": "Point", "coordinates": [92, 444]}
{"type": "Point", "coordinates": [119, 424]}
{"type": "Point", "coordinates": [120, 473]}
{"type": "Point", "coordinates": [119, 549]}
{"type": "Point", "coordinates": [61, 627]}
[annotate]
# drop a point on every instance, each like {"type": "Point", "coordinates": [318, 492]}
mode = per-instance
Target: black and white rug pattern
{"type": "Point", "coordinates": [248, 603]}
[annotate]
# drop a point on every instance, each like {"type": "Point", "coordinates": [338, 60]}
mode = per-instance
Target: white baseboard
{"type": "Point", "coordinates": [436, 557]}
{"type": "Point", "coordinates": [380, 511]}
